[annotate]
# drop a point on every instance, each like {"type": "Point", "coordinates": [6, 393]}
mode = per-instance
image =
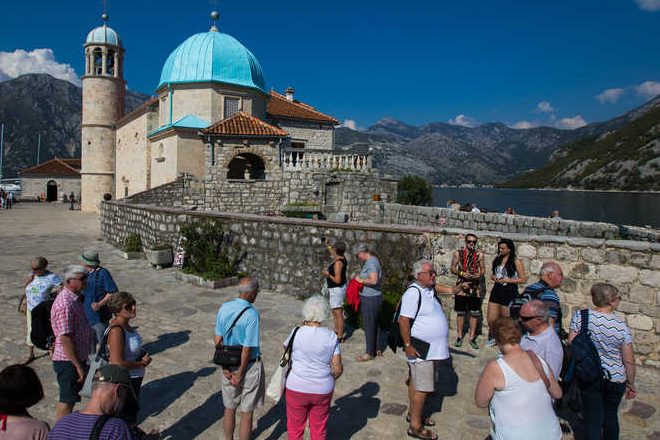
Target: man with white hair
{"type": "Point", "coordinates": [111, 385]}
{"type": "Point", "coordinates": [73, 339]}
{"type": "Point", "coordinates": [243, 387]}
{"type": "Point", "coordinates": [541, 337]}
{"type": "Point", "coordinates": [424, 332]}
{"type": "Point", "coordinates": [551, 277]}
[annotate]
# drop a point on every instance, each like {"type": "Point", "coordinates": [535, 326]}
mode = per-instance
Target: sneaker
{"type": "Point", "coordinates": [459, 342]}
{"type": "Point", "coordinates": [473, 344]}
{"type": "Point", "coordinates": [490, 342]}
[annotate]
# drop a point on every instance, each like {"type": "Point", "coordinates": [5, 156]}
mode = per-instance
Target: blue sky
{"type": "Point", "coordinates": [518, 62]}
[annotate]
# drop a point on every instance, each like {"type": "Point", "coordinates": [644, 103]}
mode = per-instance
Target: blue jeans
{"type": "Point", "coordinates": [600, 406]}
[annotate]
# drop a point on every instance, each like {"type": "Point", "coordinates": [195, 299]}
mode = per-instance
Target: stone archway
{"type": "Point", "coordinates": [246, 166]}
{"type": "Point", "coordinates": [51, 191]}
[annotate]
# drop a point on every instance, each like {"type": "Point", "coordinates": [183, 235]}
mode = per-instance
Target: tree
{"type": "Point", "coordinates": [414, 190]}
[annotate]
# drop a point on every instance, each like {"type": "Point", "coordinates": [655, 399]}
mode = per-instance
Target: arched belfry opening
{"type": "Point", "coordinates": [246, 166]}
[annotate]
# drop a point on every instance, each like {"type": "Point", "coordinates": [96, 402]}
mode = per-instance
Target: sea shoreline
{"type": "Point", "coordinates": [551, 189]}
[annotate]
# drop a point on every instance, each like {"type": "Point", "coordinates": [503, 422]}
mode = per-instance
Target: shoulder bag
{"type": "Point", "coordinates": [229, 355]}
{"type": "Point", "coordinates": [96, 361]}
{"type": "Point", "coordinates": [278, 380]}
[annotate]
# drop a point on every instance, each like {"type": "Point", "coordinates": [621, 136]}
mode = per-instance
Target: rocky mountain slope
{"type": "Point", "coordinates": [40, 104]}
{"type": "Point", "coordinates": [626, 159]}
{"type": "Point", "coordinates": [491, 153]}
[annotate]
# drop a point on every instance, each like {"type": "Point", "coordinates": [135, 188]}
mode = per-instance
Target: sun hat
{"type": "Point", "coordinates": [90, 258]}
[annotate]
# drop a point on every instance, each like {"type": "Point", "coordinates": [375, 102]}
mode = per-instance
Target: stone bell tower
{"type": "Point", "coordinates": [103, 90]}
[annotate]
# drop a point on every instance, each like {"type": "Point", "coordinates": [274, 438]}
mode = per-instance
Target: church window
{"type": "Point", "coordinates": [98, 61]}
{"type": "Point", "coordinates": [110, 63]}
{"type": "Point", "coordinates": [246, 166]}
{"type": "Point", "coordinates": [231, 106]}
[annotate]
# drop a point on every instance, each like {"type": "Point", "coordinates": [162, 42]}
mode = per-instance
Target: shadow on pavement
{"type": "Point", "coordinates": [158, 394]}
{"type": "Point", "coordinates": [350, 413]}
{"type": "Point", "coordinates": [198, 420]}
{"type": "Point", "coordinates": [275, 416]}
{"type": "Point", "coordinates": [166, 341]}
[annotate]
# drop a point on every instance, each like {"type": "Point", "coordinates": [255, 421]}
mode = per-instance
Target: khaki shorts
{"type": "Point", "coordinates": [434, 376]}
{"type": "Point", "coordinates": [250, 393]}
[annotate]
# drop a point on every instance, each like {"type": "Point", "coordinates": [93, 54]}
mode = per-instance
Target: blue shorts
{"type": "Point", "coordinates": [67, 379]}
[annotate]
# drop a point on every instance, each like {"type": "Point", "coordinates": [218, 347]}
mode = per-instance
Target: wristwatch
{"type": "Point", "coordinates": [406, 345]}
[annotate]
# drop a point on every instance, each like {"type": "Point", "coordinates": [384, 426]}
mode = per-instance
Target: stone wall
{"type": "Point", "coordinates": [313, 135]}
{"type": "Point", "coordinates": [185, 191]}
{"type": "Point", "coordinates": [287, 254]}
{"type": "Point", "coordinates": [32, 187]}
{"type": "Point", "coordinates": [393, 213]}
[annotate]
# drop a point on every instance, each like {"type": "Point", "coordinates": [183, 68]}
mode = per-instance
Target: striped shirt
{"type": "Point", "coordinates": [542, 291]}
{"type": "Point", "coordinates": [67, 317]}
{"type": "Point", "coordinates": [609, 333]}
{"type": "Point", "coordinates": [78, 426]}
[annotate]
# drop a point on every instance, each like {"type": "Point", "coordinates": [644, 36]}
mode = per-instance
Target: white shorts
{"type": "Point", "coordinates": [336, 296]}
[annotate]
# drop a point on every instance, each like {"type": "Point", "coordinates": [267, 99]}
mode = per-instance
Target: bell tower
{"type": "Point", "coordinates": [103, 91]}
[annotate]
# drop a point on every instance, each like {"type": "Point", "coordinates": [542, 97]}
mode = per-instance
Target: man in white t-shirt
{"type": "Point", "coordinates": [422, 319]}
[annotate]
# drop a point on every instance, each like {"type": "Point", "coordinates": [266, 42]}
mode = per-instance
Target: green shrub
{"type": "Point", "coordinates": [132, 243]}
{"type": "Point", "coordinates": [210, 252]}
{"type": "Point", "coordinates": [414, 190]}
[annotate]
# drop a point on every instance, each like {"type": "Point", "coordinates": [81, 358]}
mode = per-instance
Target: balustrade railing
{"type": "Point", "coordinates": [300, 159]}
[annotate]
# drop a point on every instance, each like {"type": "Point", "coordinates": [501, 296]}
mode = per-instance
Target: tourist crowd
{"type": "Point", "coordinates": [90, 319]}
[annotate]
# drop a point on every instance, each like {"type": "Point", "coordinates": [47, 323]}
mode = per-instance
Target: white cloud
{"type": "Point", "coordinates": [20, 62]}
{"type": "Point", "coordinates": [545, 107]}
{"type": "Point", "coordinates": [522, 125]}
{"type": "Point", "coordinates": [610, 95]}
{"type": "Point", "coordinates": [572, 123]}
{"type": "Point", "coordinates": [648, 5]}
{"type": "Point", "coordinates": [463, 120]}
{"type": "Point", "coordinates": [349, 123]}
{"type": "Point", "coordinates": [648, 89]}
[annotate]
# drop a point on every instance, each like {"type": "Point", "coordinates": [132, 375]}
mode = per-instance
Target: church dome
{"type": "Point", "coordinates": [213, 56]}
{"type": "Point", "coordinates": [103, 34]}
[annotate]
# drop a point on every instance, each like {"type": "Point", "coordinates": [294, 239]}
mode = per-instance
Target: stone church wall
{"type": "Point", "coordinates": [316, 136]}
{"type": "Point", "coordinates": [295, 247]}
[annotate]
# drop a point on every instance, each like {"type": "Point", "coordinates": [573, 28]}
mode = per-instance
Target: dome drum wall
{"type": "Point", "coordinates": [207, 101]}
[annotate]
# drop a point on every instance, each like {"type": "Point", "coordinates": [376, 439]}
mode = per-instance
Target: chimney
{"type": "Point", "coordinates": [289, 94]}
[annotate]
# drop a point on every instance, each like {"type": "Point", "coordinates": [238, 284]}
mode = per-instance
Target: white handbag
{"type": "Point", "coordinates": [278, 379]}
{"type": "Point", "coordinates": [96, 361]}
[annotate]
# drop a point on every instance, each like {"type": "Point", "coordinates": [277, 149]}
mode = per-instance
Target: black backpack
{"type": "Point", "coordinates": [42, 335]}
{"type": "Point", "coordinates": [585, 365]}
{"type": "Point", "coordinates": [394, 340]}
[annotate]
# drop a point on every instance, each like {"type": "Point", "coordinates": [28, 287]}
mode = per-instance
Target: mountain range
{"type": "Point", "coordinates": [38, 104]}
{"type": "Point", "coordinates": [491, 153]}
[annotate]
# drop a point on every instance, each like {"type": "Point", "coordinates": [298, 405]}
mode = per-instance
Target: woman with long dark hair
{"type": "Point", "coordinates": [508, 272]}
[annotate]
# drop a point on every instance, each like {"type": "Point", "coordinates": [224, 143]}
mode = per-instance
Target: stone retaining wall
{"type": "Point", "coordinates": [288, 253]}
{"type": "Point", "coordinates": [393, 213]}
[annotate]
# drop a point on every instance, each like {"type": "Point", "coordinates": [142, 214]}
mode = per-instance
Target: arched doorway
{"type": "Point", "coordinates": [51, 191]}
{"type": "Point", "coordinates": [246, 166]}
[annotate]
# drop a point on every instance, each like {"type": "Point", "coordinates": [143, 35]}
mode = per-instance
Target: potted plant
{"type": "Point", "coordinates": [159, 255]}
{"type": "Point", "coordinates": [131, 248]}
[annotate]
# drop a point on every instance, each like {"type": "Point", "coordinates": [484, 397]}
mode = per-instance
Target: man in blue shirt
{"type": "Point", "coordinates": [100, 286]}
{"type": "Point", "coordinates": [551, 277]}
{"type": "Point", "coordinates": [243, 387]}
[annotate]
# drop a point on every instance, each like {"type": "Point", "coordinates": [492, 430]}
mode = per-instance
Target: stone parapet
{"type": "Point", "coordinates": [287, 254]}
{"type": "Point", "coordinates": [393, 213]}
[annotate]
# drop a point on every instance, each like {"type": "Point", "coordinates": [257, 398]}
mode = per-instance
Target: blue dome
{"type": "Point", "coordinates": [103, 35]}
{"type": "Point", "coordinates": [213, 56]}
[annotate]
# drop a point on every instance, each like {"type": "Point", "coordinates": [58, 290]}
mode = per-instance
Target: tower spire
{"type": "Point", "coordinates": [105, 17]}
{"type": "Point", "coordinates": [215, 15]}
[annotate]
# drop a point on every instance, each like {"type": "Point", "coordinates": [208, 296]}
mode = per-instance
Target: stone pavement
{"type": "Point", "coordinates": [181, 394]}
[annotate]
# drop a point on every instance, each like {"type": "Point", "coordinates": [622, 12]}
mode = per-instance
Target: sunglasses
{"type": "Point", "coordinates": [527, 318]}
{"type": "Point", "coordinates": [471, 241]}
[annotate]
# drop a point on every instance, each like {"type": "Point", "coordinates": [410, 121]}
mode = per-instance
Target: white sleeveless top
{"type": "Point", "coordinates": [133, 350]}
{"type": "Point", "coordinates": [522, 410]}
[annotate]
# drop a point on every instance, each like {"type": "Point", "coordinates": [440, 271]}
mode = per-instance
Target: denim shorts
{"type": "Point", "coordinates": [67, 379]}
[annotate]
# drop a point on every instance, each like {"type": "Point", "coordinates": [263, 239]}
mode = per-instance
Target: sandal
{"type": "Point", "coordinates": [423, 433]}
{"type": "Point", "coordinates": [426, 422]}
{"type": "Point", "coordinates": [364, 358]}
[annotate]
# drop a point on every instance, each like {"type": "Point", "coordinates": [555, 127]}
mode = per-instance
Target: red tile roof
{"type": "Point", "coordinates": [280, 107]}
{"type": "Point", "coordinates": [244, 124]}
{"type": "Point", "coordinates": [54, 167]}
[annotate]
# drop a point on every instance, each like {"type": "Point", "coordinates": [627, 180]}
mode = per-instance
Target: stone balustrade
{"type": "Point", "coordinates": [300, 159]}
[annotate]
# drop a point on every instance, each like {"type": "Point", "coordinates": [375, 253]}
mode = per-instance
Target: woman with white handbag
{"type": "Point", "coordinates": [315, 365]}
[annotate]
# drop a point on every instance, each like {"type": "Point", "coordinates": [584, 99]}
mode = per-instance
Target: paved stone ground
{"type": "Point", "coordinates": [181, 392]}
